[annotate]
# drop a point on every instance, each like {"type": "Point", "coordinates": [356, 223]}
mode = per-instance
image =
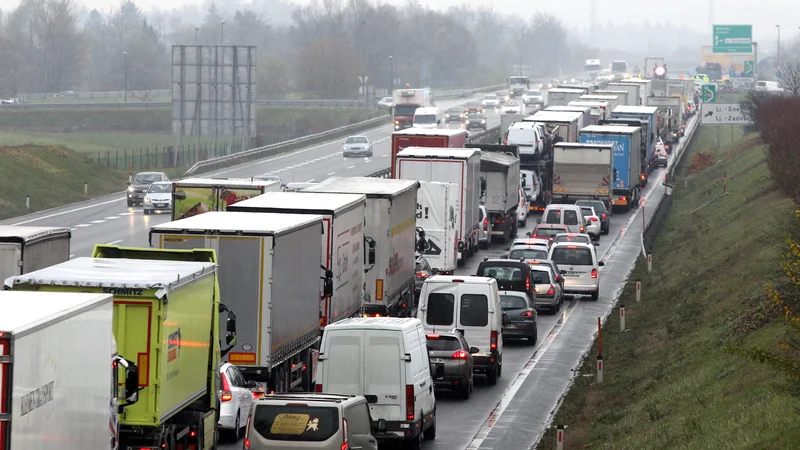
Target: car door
{"type": "Point", "coordinates": [237, 389]}
{"type": "Point", "coordinates": [384, 373]}
{"type": "Point", "coordinates": [245, 397]}
{"type": "Point", "coordinates": [474, 311]}
{"type": "Point", "coordinates": [437, 310]}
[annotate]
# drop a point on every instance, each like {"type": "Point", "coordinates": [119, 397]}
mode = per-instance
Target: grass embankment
{"type": "Point", "coordinates": [52, 176]}
{"type": "Point", "coordinates": [669, 380]}
{"type": "Point", "coordinates": [100, 129]}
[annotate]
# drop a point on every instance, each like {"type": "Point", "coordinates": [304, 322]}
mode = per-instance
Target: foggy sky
{"type": "Point", "coordinates": [762, 14]}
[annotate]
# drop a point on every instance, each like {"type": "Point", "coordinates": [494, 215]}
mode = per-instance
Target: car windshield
{"type": "Point", "coordinates": [425, 119]}
{"type": "Point", "coordinates": [405, 110]}
{"type": "Point", "coordinates": [490, 97]}
{"type": "Point", "coordinates": [527, 254]}
{"type": "Point", "coordinates": [443, 343]}
{"type": "Point", "coordinates": [534, 93]}
{"type": "Point", "coordinates": [512, 103]}
{"type": "Point", "coordinates": [356, 140]}
{"type": "Point", "coordinates": [573, 238]}
{"type": "Point", "coordinates": [160, 188]}
{"type": "Point", "coordinates": [549, 232]}
{"type": "Point", "coordinates": [587, 211]}
{"type": "Point", "coordinates": [476, 116]}
{"type": "Point", "coordinates": [146, 178]}
{"type": "Point", "coordinates": [542, 274]}
{"type": "Point", "coordinates": [289, 422]}
{"type": "Point", "coordinates": [577, 256]}
{"type": "Point", "coordinates": [455, 110]}
{"type": "Point", "coordinates": [553, 217]}
{"type": "Point", "coordinates": [598, 206]}
{"type": "Point", "coordinates": [512, 302]}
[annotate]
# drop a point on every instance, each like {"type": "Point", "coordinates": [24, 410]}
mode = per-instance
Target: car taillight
{"type": "Point", "coordinates": [582, 229]}
{"type": "Point", "coordinates": [552, 290]}
{"type": "Point", "coordinates": [493, 340]}
{"type": "Point", "coordinates": [318, 387]}
{"type": "Point", "coordinates": [410, 402]}
{"type": "Point", "coordinates": [486, 221]}
{"type": "Point", "coordinates": [594, 273]}
{"type": "Point", "coordinates": [593, 219]}
{"type": "Point", "coordinates": [226, 395]}
{"type": "Point", "coordinates": [527, 283]}
{"type": "Point", "coordinates": [460, 354]}
{"type": "Point", "coordinates": [526, 314]}
{"type": "Point", "coordinates": [247, 434]}
{"type": "Point", "coordinates": [605, 216]}
{"type": "Point", "coordinates": [422, 274]}
{"type": "Point", "coordinates": [345, 444]}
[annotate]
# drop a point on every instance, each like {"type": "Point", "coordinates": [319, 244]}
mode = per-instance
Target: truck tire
{"type": "Point", "coordinates": [491, 376]}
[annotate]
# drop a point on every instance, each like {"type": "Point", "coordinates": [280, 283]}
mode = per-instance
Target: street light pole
{"type": "Point", "coordinates": [222, 33]}
{"type": "Point", "coordinates": [391, 75]}
{"type": "Point", "coordinates": [126, 76]}
{"type": "Point", "coordinates": [779, 41]}
{"type": "Point", "coordinates": [195, 35]}
{"type": "Point", "coordinates": [755, 61]}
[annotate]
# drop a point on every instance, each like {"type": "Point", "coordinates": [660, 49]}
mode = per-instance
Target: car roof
{"type": "Point", "coordinates": [528, 247]}
{"type": "Point", "coordinates": [307, 397]}
{"type": "Point", "coordinates": [551, 225]}
{"type": "Point", "coordinates": [515, 293]}
{"type": "Point", "coordinates": [505, 261]}
{"type": "Point", "coordinates": [572, 235]}
{"type": "Point", "coordinates": [357, 136]}
{"type": "Point", "coordinates": [573, 244]}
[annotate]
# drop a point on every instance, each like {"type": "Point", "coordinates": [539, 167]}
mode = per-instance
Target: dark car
{"type": "Point", "coordinates": [452, 352]}
{"type": "Point", "coordinates": [522, 312]}
{"type": "Point", "coordinates": [473, 107]}
{"type": "Point", "coordinates": [137, 188]}
{"type": "Point", "coordinates": [476, 120]}
{"type": "Point", "coordinates": [511, 275]}
{"type": "Point", "coordinates": [547, 231]}
{"type": "Point", "coordinates": [455, 114]}
{"type": "Point", "coordinates": [602, 210]}
{"type": "Point", "coordinates": [422, 271]}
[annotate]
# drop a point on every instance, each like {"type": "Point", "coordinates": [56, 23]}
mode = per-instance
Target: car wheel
{"type": "Point", "coordinates": [524, 223]}
{"type": "Point", "coordinates": [237, 431]}
{"type": "Point", "coordinates": [491, 377]}
{"type": "Point", "coordinates": [146, 212]}
{"type": "Point", "coordinates": [465, 391]}
{"type": "Point", "coordinates": [595, 296]}
{"type": "Point", "coordinates": [130, 203]}
{"type": "Point", "coordinates": [416, 443]}
{"type": "Point", "coordinates": [370, 155]}
{"type": "Point", "coordinates": [500, 368]}
{"type": "Point", "coordinates": [534, 338]}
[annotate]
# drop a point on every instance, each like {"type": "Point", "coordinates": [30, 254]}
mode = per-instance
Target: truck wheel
{"type": "Point", "coordinates": [237, 429]}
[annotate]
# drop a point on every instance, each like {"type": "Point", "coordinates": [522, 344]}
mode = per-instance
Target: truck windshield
{"type": "Point", "coordinates": [426, 119]}
{"type": "Point", "coordinates": [405, 110]}
{"type": "Point", "coordinates": [619, 67]}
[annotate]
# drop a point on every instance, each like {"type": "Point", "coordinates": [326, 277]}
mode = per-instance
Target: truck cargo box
{"type": "Point", "coordinates": [194, 196]}
{"type": "Point", "coordinates": [634, 99]}
{"type": "Point", "coordinates": [162, 321]}
{"type": "Point", "coordinates": [582, 171]}
{"type": "Point", "coordinates": [586, 119]}
{"type": "Point", "coordinates": [562, 96]}
{"type": "Point", "coordinates": [25, 249]}
{"type": "Point", "coordinates": [55, 370]}
{"type": "Point", "coordinates": [390, 217]}
{"type": "Point", "coordinates": [437, 213]}
{"type": "Point", "coordinates": [423, 137]}
{"type": "Point", "coordinates": [501, 172]}
{"type": "Point", "coordinates": [342, 241]}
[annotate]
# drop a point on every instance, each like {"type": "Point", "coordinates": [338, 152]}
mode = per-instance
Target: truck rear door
{"type": "Point", "coordinates": [5, 390]}
{"type": "Point", "coordinates": [136, 329]}
{"type": "Point", "coordinates": [384, 372]}
{"type": "Point", "coordinates": [10, 254]}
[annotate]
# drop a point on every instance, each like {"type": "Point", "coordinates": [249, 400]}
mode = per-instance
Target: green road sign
{"type": "Point", "coordinates": [749, 69]}
{"type": "Point", "coordinates": [709, 93]}
{"type": "Point", "coordinates": [732, 39]}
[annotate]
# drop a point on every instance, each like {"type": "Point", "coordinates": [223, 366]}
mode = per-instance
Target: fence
{"type": "Point", "coordinates": [162, 157]}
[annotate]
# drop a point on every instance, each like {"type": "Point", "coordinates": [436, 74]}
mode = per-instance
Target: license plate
{"type": "Point", "coordinates": [573, 274]}
{"type": "Point", "coordinates": [437, 360]}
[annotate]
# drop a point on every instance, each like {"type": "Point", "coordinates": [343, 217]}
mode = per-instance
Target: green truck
{"type": "Point", "coordinates": [166, 321]}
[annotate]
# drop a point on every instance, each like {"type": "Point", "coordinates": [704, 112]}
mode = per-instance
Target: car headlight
{"type": "Point", "coordinates": [131, 189]}
{"type": "Point", "coordinates": [483, 121]}
{"type": "Point", "coordinates": [147, 201]}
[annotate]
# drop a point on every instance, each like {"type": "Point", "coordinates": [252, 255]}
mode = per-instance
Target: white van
{"type": "Point", "coordinates": [427, 117]}
{"type": "Point", "coordinates": [385, 359]}
{"type": "Point", "coordinates": [770, 86]}
{"type": "Point", "coordinates": [526, 136]}
{"type": "Point", "coordinates": [471, 305]}
{"type": "Point", "coordinates": [570, 216]}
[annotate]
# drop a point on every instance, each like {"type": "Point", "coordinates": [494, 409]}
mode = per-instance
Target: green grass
{"type": "Point", "coordinates": [88, 142]}
{"type": "Point", "coordinates": [52, 176]}
{"type": "Point", "coordinates": [669, 381]}
{"type": "Point", "coordinates": [72, 100]}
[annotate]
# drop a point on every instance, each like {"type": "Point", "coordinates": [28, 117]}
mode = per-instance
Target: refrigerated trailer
{"type": "Point", "coordinates": [391, 213]}
{"type": "Point", "coordinates": [500, 173]}
{"type": "Point", "coordinates": [460, 166]}
{"type": "Point", "coordinates": [424, 137]}
{"type": "Point", "coordinates": [438, 205]}
{"type": "Point", "coordinates": [582, 172]}
{"type": "Point", "coordinates": [194, 196]}
{"type": "Point", "coordinates": [626, 182]}
{"type": "Point", "coordinates": [25, 249]}
{"type": "Point", "coordinates": [56, 373]}
{"type": "Point", "coordinates": [344, 249]}
{"type": "Point", "coordinates": [268, 267]}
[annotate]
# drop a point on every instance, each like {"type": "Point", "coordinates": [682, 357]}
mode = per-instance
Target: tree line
{"type": "Point", "coordinates": [49, 46]}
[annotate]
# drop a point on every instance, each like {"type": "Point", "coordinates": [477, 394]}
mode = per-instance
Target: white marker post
{"type": "Point", "coordinates": [599, 368]}
{"type": "Point", "coordinates": [638, 291]}
{"type": "Point", "coordinates": [649, 262]}
{"type": "Point", "coordinates": [85, 188]}
{"type": "Point", "coordinates": [621, 318]}
{"type": "Point", "coordinates": [560, 437]}
{"type": "Point", "coordinates": [27, 202]}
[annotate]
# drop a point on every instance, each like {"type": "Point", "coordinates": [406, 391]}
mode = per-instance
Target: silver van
{"type": "Point", "coordinates": [570, 216]}
{"type": "Point", "coordinates": [310, 421]}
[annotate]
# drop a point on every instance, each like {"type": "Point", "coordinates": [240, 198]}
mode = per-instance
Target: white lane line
{"type": "Point", "coordinates": [111, 218]}
{"type": "Point", "coordinates": [114, 242]}
{"type": "Point", "coordinates": [97, 221]}
{"type": "Point", "coordinates": [310, 181]}
{"type": "Point", "coordinates": [367, 160]}
{"type": "Point", "coordinates": [126, 214]}
{"type": "Point", "coordinates": [350, 167]}
{"type": "Point", "coordinates": [71, 256]}
{"type": "Point", "coordinates": [331, 173]}
{"type": "Point", "coordinates": [69, 211]}
{"type": "Point", "coordinates": [83, 225]}
{"type": "Point", "coordinates": [384, 156]}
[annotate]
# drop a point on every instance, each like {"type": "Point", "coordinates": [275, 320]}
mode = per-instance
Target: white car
{"type": "Point", "coordinates": [484, 229]}
{"type": "Point", "coordinates": [490, 100]}
{"type": "Point", "coordinates": [512, 107]}
{"type": "Point", "coordinates": [580, 267]}
{"type": "Point", "coordinates": [235, 399]}
{"type": "Point", "coordinates": [385, 103]}
{"type": "Point", "coordinates": [592, 222]}
{"type": "Point", "coordinates": [533, 97]}
{"type": "Point", "coordinates": [158, 197]}
{"type": "Point", "coordinates": [522, 210]}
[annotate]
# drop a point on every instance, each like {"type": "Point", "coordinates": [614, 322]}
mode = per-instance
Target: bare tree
{"type": "Point", "coordinates": [789, 69]}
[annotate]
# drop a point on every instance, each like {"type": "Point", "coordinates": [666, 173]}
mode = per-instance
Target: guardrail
{"type": "Point", "coordinates": [137, 96]}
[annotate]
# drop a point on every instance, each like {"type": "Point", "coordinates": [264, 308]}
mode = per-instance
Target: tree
{"type": "Point", "coordinates": [249, 28]}
{"type": "Point", "coordinates": [790, 75]}
{"type": "Point", "coordinates": [274, 77]}
{"type": "Point", "coordinates": [329, 68]}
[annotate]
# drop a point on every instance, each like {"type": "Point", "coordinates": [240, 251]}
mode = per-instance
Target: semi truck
{"type": "Point", "coordinates": [670, 117]}
{"type": "Point", "coordinates": [644, 125]}
{"type": "Point", "coordinates": [501, 195]}
{"type": "Point", "coordinates": [264, 262]}
{"type": "Point", "coordinates": [562, 96]}
{"type": "Point", "coordinates": [421, 137]}
{"type": "Point", "coordinates": [406, 102]}
{"type": "Point", "coordinates": [25, 249]}
{"type": "Point", "coordinates": [438, 206]}
{"type": "Point", "coordinates": [644, 87]}
{"type": "Point", "coordinates": [563, 125]}
{"type": "Point", "coordinates": [517, 85]}
{"type": "Point", "coordinates": [581, 172]}
{"type": "Point", "coordinates": [345, 251]}
{"type": "Point", "coordinates": [626, 183]}
{"type": "Point", "coordinates": [650, 114]}
{"type": "Point", "coordinates": [460, 166]}
{"type": "Point", "coordinates": [612, 100]}
{"type": "Point", "coordinates": [194, 196]}
{"type": "Point", "coordinates": [622, 96]}
{"type": "Point", "coordinates": [587, 89]}
{"type": "Point", "coordinates": [42, 336]}
{"type": "Point", "coordinates": [634, 98]}
{"type": "Point", "coordinates": [586, 119]}
{"type": "Point", "coordinates": [175, 348]}
{"type": "Point", "coordinates": [391, 213]}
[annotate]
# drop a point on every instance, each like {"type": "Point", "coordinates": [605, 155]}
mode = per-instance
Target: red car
{"type": "Point", "coordinates": [547, 231]}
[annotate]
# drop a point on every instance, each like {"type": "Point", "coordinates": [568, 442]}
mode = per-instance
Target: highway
{"type": "Point", "coordinates": [511, 414]}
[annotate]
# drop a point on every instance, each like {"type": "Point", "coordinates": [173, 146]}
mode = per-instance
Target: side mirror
{"type": "Point", "coordinates": [506, 320]}
{"type": "Point", "coordinates": [179, 195]}
{"type": "Point", "coordinates": [601, 264]}
{"type": "Point", "coordinates": [507, 248]}
{"type": "Point", "coordinates": [528, 234]}
{"type": "Point", "coordinates": [131, 383]}
{"type": "Point", "coordinates": [128, 183]}
{"type": "Point", "coordinates": [380, 427]}
{"type": "Point", "coordinates": [474, 350]}
{"type": "Point", "coordinates": [538, 220]}
{"type": "Point", "coordinates": [251, 384]}
{"type": "Point", "coordinates": [563, 272]}
{"type": "Point", "coordinates": [483, 186]}
{"type": "Point", "coordinates": [371, 399]}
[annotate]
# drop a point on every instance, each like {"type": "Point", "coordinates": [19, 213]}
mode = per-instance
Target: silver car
{"type": "Point", "coordinates": [580, 267]}
{"type": "Point", "coordinates": [137, 188]}
{"type": "Point", "coordinates": [549, 293]}
{"type": "Point", "coordinates": [158, 197]}
{"type": "Point", "coordinates": [484, 229]}
{"type": "Point", "coordinates": [357, 146]}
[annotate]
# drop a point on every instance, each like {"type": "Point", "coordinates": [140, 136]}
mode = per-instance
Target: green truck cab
{"type": "Point", "coordinates": [166, 323]}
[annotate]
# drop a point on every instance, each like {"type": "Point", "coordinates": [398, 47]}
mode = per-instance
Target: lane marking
{"type": "Point", "coordinates": [126, 214]}
{"type": "Point", "coordinates": [70, 211]}
{"type": "Point", "coordinates": [114, 242]}
{"type": "Point", "coordinates": [97, 221]}
{"type": "Point", "coordinates": [350, 167]}
{"type": "Point", "coordinates": [83, 225]}
{"type": "Point", "coordinates": [331, 173]}
{"type": "Point", "coordinates": [111, 218]}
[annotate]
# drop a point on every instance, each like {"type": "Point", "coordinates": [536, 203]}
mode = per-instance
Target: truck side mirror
{"type": "Point", "coordinates": [483, 186]}
{"type": "Point", "coordinates": [327, 284]}
{"type": "Point", "coordinates": [422, 245]}
{"type": "Point", "coordinates": [131, 383]}
{"type": "Point", "coordinates": [370, 248]}
{"type": "Point", "coordinates": [180, 195]}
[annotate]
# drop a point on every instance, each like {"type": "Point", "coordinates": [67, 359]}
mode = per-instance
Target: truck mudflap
{"type": "Point", "coordinates": [395, 305]}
